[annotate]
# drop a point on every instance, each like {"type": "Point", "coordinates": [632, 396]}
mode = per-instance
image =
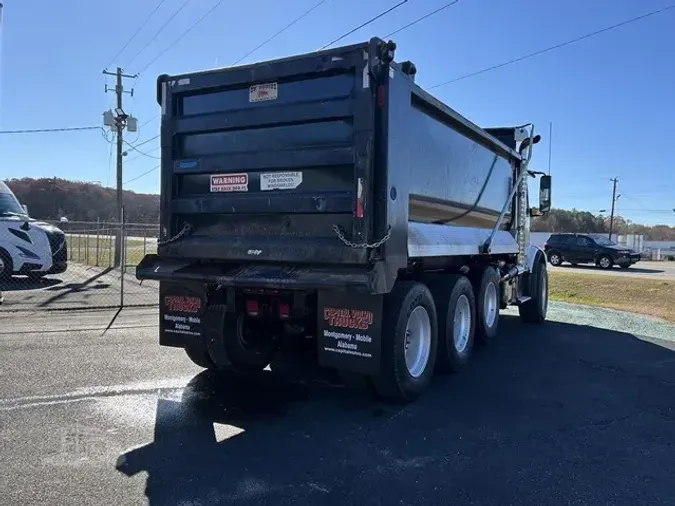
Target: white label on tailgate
{"type": "Point", "coordinates": [280, 180]}
{"type": "Point", "coordinates": [262, 92]}
{"type": "Point", "coordinates": [229, 183]}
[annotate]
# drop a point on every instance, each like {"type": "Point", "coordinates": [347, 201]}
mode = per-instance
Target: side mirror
{"type": "Point", "coordinates": [545, 194]}
{"type": "Point", "coordinates": [534, 212]}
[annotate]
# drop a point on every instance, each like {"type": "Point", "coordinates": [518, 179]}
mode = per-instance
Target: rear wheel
{"type": "Point", "coordinates": [249, 344]}
{"type": "Point", "coordinates": [535, 309]}
{"type": "Point", "coordinates": [200, 357]}
{"type": "Point", "coordinates": [409, 342]}
{"type": "Point", "coordinates": [456, 316]}
{"type": "Point", "coordinates": [555, 258]}
{"type": "Point", "coordinates": [487, 305]}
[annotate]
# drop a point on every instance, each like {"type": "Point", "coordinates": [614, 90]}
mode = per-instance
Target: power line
{"type": "Point", "coordinates": [270, 39]}
{"type": "Point", "coordinates": [180, 37]}
{"type": "Point", "coordinates": [161, 29]}
{"type": "Point", "coordinates": [139, 151]}
{"type": "Point", "coordinates": [362, 25]}
{"type": "Point", "coordinates": [141, 156]}
{"type": "Point", "coordinates": [146, 141]}
{"type": "Point", "coordinates": [49, 130]}
{"type": "Point", "coordinates": [557, 46]}
{"type": "Point", "coordinates": [145, 22]}
{"type": "Point", "coordinates": [418, 20]}
{"type": "Point", "coordinates": [142, 175]}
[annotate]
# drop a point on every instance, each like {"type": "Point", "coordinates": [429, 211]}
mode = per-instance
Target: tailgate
{"type": "Point", "coordinates": [262, 161]}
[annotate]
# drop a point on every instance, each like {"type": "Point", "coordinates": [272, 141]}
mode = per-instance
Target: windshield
{"type": "Point", "coordinates": [8, 203]}
{"type": "Point", "coordinates": [603, 241]}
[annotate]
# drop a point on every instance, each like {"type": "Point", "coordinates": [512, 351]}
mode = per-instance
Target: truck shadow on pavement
{"type": "Point", "coordinates": [544, 414]}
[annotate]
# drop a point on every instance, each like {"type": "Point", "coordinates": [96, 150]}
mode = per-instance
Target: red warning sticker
{"type": "Point", "coordinates": [229, 183]}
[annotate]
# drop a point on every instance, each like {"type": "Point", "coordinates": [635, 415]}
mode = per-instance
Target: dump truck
{"type": "Point", "coordinates": [328, 199]}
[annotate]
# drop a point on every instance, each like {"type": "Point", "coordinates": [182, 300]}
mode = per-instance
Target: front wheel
{"type": "Point", "coordinates": [535, 309]}
{"type": "Point", "coordinates": [409, 343]}
{"type": "Point", "coordinates": [605, 262]}
{"type": "Point", "coordinates": [625, 266]}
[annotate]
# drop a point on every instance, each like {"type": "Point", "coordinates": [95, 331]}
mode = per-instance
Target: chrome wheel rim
{"type": "Point", "coordinates": [461, 324]}
{"type": "Point", "coordinates": [604, 262]}
{"type": "Point", "coordinates": [490, 305]}
{"type": "Point", "coordinates": [417, 341]}
{"type": "Point", "coordinates": [555, 259]}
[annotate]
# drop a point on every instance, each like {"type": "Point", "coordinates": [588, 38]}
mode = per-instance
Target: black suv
{"type": "Point", "coordinates": [586, 249]}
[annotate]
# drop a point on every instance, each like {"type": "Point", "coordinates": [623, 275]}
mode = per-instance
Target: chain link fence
{"type": "Point", "coordinates": [75, 265]}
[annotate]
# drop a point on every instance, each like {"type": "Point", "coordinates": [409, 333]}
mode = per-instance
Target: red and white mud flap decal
{"type": "Point", "coordinates": [181, 311]}
{"type": "Point", "coordinates": [349, 331]}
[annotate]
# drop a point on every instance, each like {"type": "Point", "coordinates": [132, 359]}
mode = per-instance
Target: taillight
{"type": "Point", "coordinates": [252, 308]}
{"type": "Point", "coordinates": [381, 96]}
{"type": "Point", "coordinates": [359, 198]}
{"type": "Point", "coordinates": [284, 311]}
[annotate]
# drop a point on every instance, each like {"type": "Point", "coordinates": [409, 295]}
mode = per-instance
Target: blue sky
{"type": "Point", "coordinates": [611, 98]}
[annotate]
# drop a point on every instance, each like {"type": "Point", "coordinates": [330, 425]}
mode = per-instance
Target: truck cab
{"type": "Point", "coordinates": [27, 246]}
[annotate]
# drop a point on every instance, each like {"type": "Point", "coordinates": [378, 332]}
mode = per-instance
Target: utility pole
{"type": "Point", "coordinates": [119, 122]}
{"type": "Point", "coordinates": [614, 199]}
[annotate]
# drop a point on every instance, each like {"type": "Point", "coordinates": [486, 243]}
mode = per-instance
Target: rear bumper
{"type": "Point", "coordinates": [275, 276]}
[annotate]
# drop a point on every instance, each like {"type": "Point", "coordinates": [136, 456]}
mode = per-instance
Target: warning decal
{"type": "Point", "coordinates": [280, 180]}
{"type": "Point", "coordinates": [229, 183]}
{"type": "Point", "coordinates": [262, 92]}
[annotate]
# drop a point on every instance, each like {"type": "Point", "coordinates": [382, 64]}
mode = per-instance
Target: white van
{"type": "Point", "coordinates": [28, 246]}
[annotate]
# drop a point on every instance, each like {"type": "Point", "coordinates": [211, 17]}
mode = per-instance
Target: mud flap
{"type": "Point", "coordinates": [349, 331]}
{"type": "Point", "coordinates": [181, 312]}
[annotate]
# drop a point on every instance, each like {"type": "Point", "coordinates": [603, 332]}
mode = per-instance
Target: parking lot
{"type": "Point", "coordinates": [80, 287]}
{"type": "Point", "coordinates": [578, 411]}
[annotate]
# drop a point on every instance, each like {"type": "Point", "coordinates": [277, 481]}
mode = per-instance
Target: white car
{"type": "Point", "coordinates": [28, 246]}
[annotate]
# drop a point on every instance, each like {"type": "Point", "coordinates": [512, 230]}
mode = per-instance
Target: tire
{"type": "Point", "coordinates": [408, 322]}
{"type": "Point", "coordinates": [249, 347]}
{"type": "Point", "coordinates": [200, 357]}
{"type": "Point", "coordinates": [535, 309]}
{"type": "Point", "coordinates": [36, 276]}
{"type": "Point", "coordinates": [555, 258]}
{"type": "Point", "coordinates": [454, 350]}
{"type": "Point", "coordinates": [487, 293]}
{"type": "Point", "coordinates": [626, 266]}
{"type": "Point", "coordinates": [8, 267]}
{"type": "Point", "coordinates": [605, 262]}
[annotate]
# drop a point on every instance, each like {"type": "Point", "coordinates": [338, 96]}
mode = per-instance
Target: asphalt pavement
{"type": "Point", "coordinates": [643, 269]}
{"type": "Point", "coordinates": [580, 410]}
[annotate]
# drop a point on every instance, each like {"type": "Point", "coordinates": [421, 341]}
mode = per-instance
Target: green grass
{"type": "Point", "coordinates": [100, 252]}
{"type": "Point", "coordinates": [653, 297]}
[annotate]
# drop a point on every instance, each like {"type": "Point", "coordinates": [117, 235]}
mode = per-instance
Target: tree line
{"type": "Point", "coordinates": [563, 220]}
{"type": "Point", "coordinates": [55, 198]}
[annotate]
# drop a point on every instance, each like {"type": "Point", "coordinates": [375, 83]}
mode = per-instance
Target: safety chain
{"type": "Point", "coordinates": [360, 245]}
{"type": "Point", "coordinates": [187, 228]}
